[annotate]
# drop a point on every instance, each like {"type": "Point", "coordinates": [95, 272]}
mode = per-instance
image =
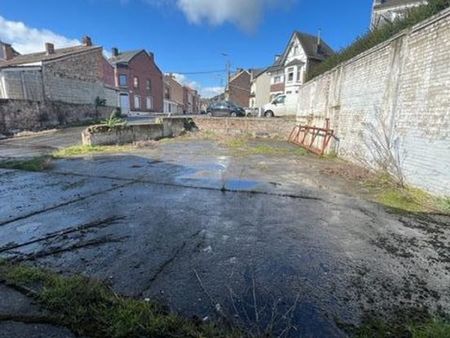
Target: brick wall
{"type": "Point", "coordinates": [239, 89]}
{"type": "Point", "coordinates": [32, 115]}
{"type": "Point", "coordinates": [397, 91]}
{"type": "Point", "coordinates": [279, 128]}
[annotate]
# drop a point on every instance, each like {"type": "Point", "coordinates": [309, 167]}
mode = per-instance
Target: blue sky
{"type": "Point", "coordinates": [185, 35]}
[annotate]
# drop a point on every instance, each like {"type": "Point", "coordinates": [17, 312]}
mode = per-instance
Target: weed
{"type": "Point", "coordinates": [80, 150]}
{"type": "Point", "coordinates": [90, 308]}
{"type": "Point", "coordinates": [245, 146]}
{"type": "Point", "coordinates": [39, 163]}
{"type": "Point", "coordinates": [114, 120]}
{"type": "Point", "coordinates": [430, 328]}
{"type": "Point", "coordinates": [395, 196]}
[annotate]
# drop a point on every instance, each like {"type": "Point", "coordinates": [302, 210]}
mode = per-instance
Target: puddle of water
{"type": "Point", "coordinates": [242, 184]}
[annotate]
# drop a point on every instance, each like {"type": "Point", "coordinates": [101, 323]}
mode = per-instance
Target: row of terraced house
{"type": "Point", "coordinates": [82, 74]}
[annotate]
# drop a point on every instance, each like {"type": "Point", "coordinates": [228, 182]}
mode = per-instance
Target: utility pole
{"type": "Point", "coordinates": [228, 70]}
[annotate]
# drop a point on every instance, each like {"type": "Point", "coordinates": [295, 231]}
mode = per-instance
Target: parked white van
{"type": "Point", "coordinates": [282, 105]}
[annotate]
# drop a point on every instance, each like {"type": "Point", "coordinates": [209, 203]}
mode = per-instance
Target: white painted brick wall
{"type": "Point", "coordinates": [404, 84]}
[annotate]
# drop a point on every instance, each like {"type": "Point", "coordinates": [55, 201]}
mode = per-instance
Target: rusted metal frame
{"type": "Point", "coordinates": [314, 132]}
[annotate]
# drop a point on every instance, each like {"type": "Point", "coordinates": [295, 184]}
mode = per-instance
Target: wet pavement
{"type": "Point", "coordinates": [201, 229]}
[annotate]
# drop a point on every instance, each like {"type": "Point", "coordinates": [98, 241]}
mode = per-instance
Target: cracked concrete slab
{"type": "Point", "coordinates": [195, 226]}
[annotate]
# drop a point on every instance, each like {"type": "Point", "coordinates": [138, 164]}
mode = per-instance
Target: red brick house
{"type": "Point", "coordinates": [238, 90]}
{"type": "Point", "coordinates": [139, 80]}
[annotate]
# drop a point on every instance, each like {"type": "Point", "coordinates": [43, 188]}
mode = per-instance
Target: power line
{"type": "Point", "coordinates": [201, 72]}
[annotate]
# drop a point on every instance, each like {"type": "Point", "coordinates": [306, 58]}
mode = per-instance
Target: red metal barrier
{"type": "Point", "coordinates": [313, 139]}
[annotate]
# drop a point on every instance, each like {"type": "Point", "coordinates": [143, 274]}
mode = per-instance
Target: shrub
{"type": "Point", "coordinates": [379, 35]}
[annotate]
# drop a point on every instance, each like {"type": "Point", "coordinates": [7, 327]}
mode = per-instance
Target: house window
{"type": "Point", "coordinates": [149, 85]}
{"type": "Point", "coordinates": [277, 79]}
{"type": "Point", "coordinates": [167, 93]}
{"type": "Point", "coordinates": [123, 81]}
{"type": "Point", "coordinates": [291, 74]}
{"type": "Point", "coordinates": [136, 82]}
{"type": "Point", "coordinates": [296, 50]}
{"type": "Point", "coordinates": [299, 75]}
{"type": "Point", "coordinates": [137, 102]}
{"type": "Point", "coordinates": [149, 102]}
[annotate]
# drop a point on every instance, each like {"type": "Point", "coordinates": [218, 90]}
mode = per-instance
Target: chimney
{"type": "Point", "coordinates": [8, 52]}
{"type": "Point", "coordinates": [87, 41]}
{"type": "Point", "coordinates": [49, 48]}
{"type": "Point", "coordinates": [114, 52]}
{"type": "Point", "coordinates": [319, 40]}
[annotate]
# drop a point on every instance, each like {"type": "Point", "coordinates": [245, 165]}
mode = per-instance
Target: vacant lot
{"type": "Point", "coordinates": [246, 229]}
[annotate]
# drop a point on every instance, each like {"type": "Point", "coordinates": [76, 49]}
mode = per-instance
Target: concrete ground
{"type": "Point", "coordinates": [200, 228]}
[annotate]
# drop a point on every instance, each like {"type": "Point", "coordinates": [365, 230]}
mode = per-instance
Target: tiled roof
{"type": "Point", "coordinates": [396, 3]}
{"type": "Point", "coordinates": [125, 57]}
{"type": "Point", "coordinates": [43, 56]}
{"type": "Point", "coordinates": [257, 72]}
{"type": "Point", "coordinates": [312, 51]}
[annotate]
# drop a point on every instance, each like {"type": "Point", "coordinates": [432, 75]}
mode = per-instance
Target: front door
{"type": "Point", "coordinates": [125, 103]}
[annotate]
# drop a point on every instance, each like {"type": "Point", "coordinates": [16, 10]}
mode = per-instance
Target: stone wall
{"type": "Point", "coordinates": [276, 128]}
{"type": "Point", "coordinates": [77, 79]}
{"type": "Point", "coordinates": [395, 96]}
{"type": "Point", "coordinates": [17, 115]}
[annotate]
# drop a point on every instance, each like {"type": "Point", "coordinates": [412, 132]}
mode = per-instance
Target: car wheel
{"type": "Point", "coordinates": [209, 114]}
{"type": "Point", "coordinates": [269, 114]}
{"type": "Point", "coordinates": [249, 115]}
{"type": "Point", "coordinates": [233, 114]}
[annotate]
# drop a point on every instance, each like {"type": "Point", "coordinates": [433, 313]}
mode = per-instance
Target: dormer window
{"type": "Point", "coordinates": [296, 50]}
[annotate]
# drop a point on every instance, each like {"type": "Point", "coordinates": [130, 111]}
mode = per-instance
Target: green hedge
{"type": "Point", "coordinates": [379, 35]}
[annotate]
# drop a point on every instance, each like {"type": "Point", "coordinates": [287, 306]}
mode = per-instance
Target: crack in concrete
{"type": "Point", "coordinates": [80, 245]}
{"type": "Point", "coordinates": [95, 224]}
{"type": "Point", "coordinates": [177, 185]}
{"type": "Point", "coordinates": [66, 203]}
{"type": "Point", "coordinates": [167, 262]}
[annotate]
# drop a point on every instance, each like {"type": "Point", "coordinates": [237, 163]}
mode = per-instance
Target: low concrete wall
{"type": "Point", "coordinates": [19, 115]}
{"type": "Point", "coordinates": [275, 128]}
{"type": "Point", "coordinates": [125, 134]}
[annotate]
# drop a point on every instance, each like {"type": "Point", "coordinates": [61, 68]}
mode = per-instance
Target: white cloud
{"type": "Point", "coordinates": [209, 92]}
{"type": "Point", "coordinates": [246, 14]}
{"type": "Point", "coordinates": [28, 40]}
{"type": "Point", "coordinates": [204, 91]}
{"type": "Point", "coordinates": [181, 78]}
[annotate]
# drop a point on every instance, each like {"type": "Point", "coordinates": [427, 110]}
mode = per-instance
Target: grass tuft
{"type": "Point", "coordinates": [430, 328]}
{"type": "Point", "coordinates": [90, 308]}
{"type": "Point", "coordinates": [81, 150]}
{"type": "Point", "coordinates": [247, 146]}
{"type": "Point", "coordinates": [410, 199]}
{"type": "Point", "coordinates": [39, 163]}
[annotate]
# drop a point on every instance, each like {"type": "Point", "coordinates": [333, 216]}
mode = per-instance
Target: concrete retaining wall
{"type": "Point", "coordinates": [126, 134]}
{"type": "Point", "coordinates": [396, 95]}
{"type": "Point", "coordinates": [276, 128]}
{"type": "Point", "coordinates": [18, 115]}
